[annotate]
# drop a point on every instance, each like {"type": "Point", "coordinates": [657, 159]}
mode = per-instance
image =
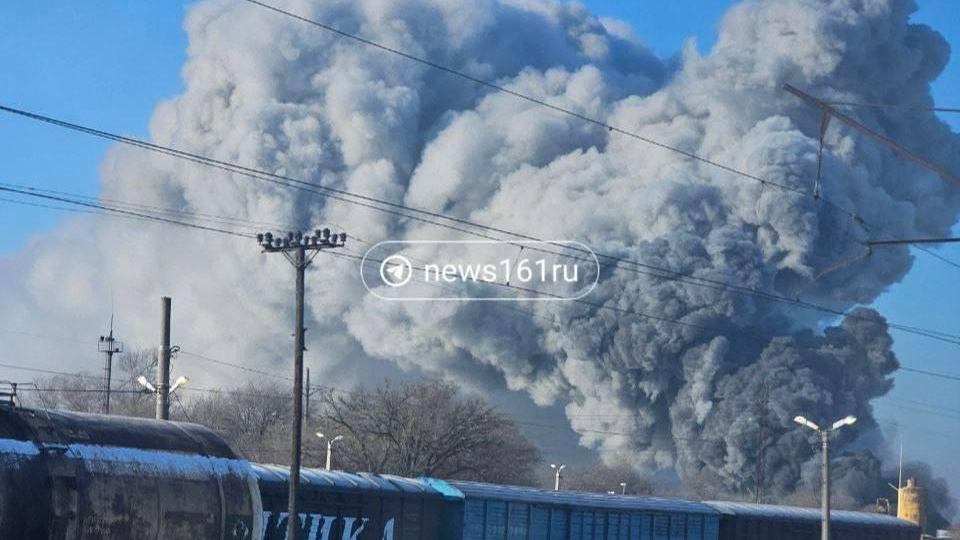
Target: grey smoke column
{"type": "Point", "coordinates": [274, 93]}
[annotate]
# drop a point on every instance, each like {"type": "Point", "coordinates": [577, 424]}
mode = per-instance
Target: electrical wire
{"type": "Point", "coordinates": [244, 170]}
{"type": "Point", "coordinates": [138, 215]}
{"type": "Point", "coordinates": [595, 121]}
{"type": "Point", "coordinates": [923, 332]}
{"type": "Point", "coordinates": [196, 216]}
{"type": "Point", "coordinates": [892, 106]}
{"type": "Point", "coordinates": [536, 101]}
{"type": "Point", "coordinates": [671, 275]}
{"type": "Point", "coordinates": [930, 373]}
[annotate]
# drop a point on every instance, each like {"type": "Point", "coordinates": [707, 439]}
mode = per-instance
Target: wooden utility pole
{"type": "Point", "coordinates": [294, 247]}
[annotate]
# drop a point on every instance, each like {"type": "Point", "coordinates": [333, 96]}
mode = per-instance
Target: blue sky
{"type": "Point", "coordinates": [107, 63]}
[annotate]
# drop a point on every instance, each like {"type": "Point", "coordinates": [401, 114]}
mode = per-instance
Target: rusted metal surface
{"type": "Point", "coordinates": [67, 476]}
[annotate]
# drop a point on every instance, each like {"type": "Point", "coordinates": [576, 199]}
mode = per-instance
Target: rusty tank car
{"type": "Point", "coordinates": [67, 476]}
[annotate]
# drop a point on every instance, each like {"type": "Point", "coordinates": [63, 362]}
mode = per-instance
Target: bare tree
{"type": "Point", "coordinates": [427, 428]}
{"type": "Point", "coordinates": [410, 429]}
{"type": "Point", "coordinates": [600, 477]}
{"type": "Point", "coordinates": [84, 392]}
{"type": "Point", "coordinates": [255, 418]}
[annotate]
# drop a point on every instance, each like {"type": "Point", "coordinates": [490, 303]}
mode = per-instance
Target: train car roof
{"type": "Point", "coordinates": [773, 511]}
{"type": "Point", "coordinates": [62, 428]}
{"type": "Point", "coordinates": [351, 481]}
{"type": "Point", "coordinates": [575, 498]}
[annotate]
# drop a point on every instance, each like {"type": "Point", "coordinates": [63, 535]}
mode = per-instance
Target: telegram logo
{"type": "Point", "coordinates": [396, 271]}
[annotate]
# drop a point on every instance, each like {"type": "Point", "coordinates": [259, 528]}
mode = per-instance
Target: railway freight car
{"type": "Point", "coordinates": [745, 521]}
{"type": "Point", "coordinates": [66, 476]}
{"type": "Point", "coordinates": [495, 512]}
{"type": "Point", "coordinates": [335, 505]}
{"type": "Point", "coordinates": [338, 505]}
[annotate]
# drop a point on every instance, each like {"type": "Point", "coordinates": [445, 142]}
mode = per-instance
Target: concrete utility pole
{"type": "Point", "coordinates": [108, 346]}
{"type": "Point", "coordinates": [163, 362]}
{"type": "Point", "coordinates": [825, 446]}
{"type": "Point", "coordinates": [294, 247]}
{"type": "Point", "coordinates": [557, 476]}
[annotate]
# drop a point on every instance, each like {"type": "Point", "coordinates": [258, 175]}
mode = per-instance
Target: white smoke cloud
{"type": "Point", "coordinates": [273, 93]}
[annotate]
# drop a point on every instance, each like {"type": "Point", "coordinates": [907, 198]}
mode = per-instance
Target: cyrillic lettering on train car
{"type": "Point", "coordinates": [318, 527]}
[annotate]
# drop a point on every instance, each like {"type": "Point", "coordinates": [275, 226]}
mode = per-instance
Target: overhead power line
{"type": "Point", "coordinates": [52, 372]}
{"type": "Point", "coordinates": [703, 282]}
{"type": "Point", "coordinates": [540, 102]}
{"type": "Point", "coordinates": [912, 241]}
{"type": "Point", "coordinates": [885, 141]}
{"type": "Point", "coordinates": [619, 262]}
{"type": "Point", "coordinates": [371, 202]}
{"type": "Point", "coordinates": [139, 215]}
{"type": "Point", "coordinates": [892, 106]}
{"type": "Point", "coordinates": [628, 311]}
{"type": "Point", "coordinates": [931, 373]}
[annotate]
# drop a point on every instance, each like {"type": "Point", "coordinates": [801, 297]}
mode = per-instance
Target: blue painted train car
{"type": "Point", "coordinates": [747, 521]}
{"type": "Point", "coordinates": [337, 505]}
{"type": "Point", "coordinates": [362, 506]}
{"type": "Point", "coordinates": [495, 512]}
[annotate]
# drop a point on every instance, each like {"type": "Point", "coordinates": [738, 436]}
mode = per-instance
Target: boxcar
{"type": "Point", "coordinates": [495, 512]}
{"type": "Point", "coordinates": [335, 505]}
{"type": "Point", "coordinates": [746, 521]}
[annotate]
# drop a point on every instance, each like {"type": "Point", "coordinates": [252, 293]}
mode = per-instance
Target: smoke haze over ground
{"type": "Point", "coordinates": [273, 93]}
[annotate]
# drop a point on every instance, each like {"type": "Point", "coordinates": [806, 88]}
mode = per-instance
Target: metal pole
{"type": "Point", "coordinates": [329, 453]}
{"type": "Point", "coordinates": [556, 480]}
{"type": "Point", "coordinates": [293, 521]}
{"type": "Point", "coordinates": [107, 371]}
{"type": "Point", "coordinates": [108, 345]}
{"type": "Point", "coordinates": [163, 363]}
{"type": "Point", "coordinates": [825, 496]}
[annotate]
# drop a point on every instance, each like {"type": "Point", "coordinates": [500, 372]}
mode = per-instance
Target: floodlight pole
{"type": "Point", "coordinates": [294, 247]}
{"type": "Point", "coordinates": [557, 476]}
{"type": "Point", "coordinates": [825, 469]}
{"type": "Point", "coordinates": [825, 496]}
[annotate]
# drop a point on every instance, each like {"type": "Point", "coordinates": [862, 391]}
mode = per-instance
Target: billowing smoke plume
{"type": "Point", "coordinates": [274, 93]}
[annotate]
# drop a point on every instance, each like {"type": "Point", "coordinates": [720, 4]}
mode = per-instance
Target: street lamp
{"type": "Point", "coordinates": [556, 480]}
{"type": "Point", "coordinates": [152, 389]}
{"type": "Point", "coordinates": [623, 488]}
{"type": "Point", "coordinates": [825, 442]}
{"type": "Point", "coordinates": [329, 446]}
